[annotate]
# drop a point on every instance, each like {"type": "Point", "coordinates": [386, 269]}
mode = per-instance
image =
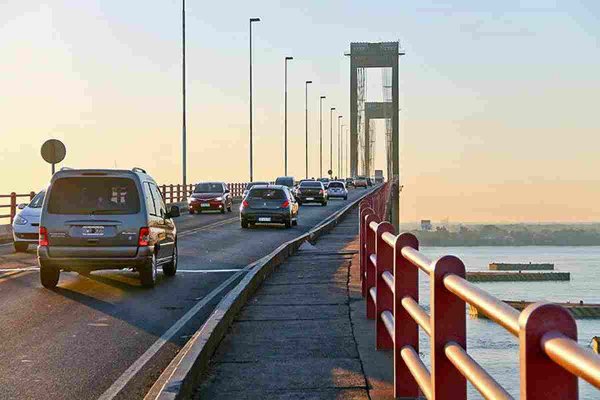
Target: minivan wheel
{"type": "Point", "coordinates": [288, 223]}
{"type": "Point", "coordinates": [148, 273]}
{"type": "Point", "coordinates": [244, 224]}
{"type": "Point", "coordinates": [20, 247]}
{"type": "Point", "coordinates": [295, 222]}
{"type": "Point", "coordinates": [171, 268]}
{"type": "Point", "coordinates": [49, 277]}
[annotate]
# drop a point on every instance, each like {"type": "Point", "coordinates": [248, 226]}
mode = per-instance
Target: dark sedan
{"type": "Point", "coordinates": [210, 196]}
{"type": "Point", "coordinates": [311, 192]}
{"type": "Point", "coordinates": [269, 204]}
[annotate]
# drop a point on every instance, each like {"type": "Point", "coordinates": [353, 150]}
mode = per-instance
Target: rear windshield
{"type": "Point", "coordinates": [285, 181]}
{"type": "Point", "coordinates": [209, 188]}
{"type": "Point", "coordinates": [267, 194]}
{"type": "Point", "coordinates": [94, 195]}
{"type": "Point", "coordinates": [311, 184]}
{"type": "Point", "coordinates": [37, 201]}
{"type": "Point", "coordinates": [336, 185]}
{"type": "Point", "coordinates": [250, 184]}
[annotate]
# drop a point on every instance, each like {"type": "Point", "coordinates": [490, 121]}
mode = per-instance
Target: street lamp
{"type": "Point", "coordinates": [251, 21]}
{"type": "Point", "coordinates": [341, 151]}
{"type": "Point", "coordinates": [306, 121]}
{"type": "Point", "coordinates": [339, 135]}
{"type": "Point", "coordinates": [183, 126]}
{"type": "Point", "coordinates": [331, 110]}
{"type": "Point", "coordinates": [285, 119]}
{"type": "Point", "coordinates": [321, 136]}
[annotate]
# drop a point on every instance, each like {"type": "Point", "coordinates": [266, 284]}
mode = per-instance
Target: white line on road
{"type": "Point", "coordinates": [208, 271]}
{"type": "Point", "coordinates": [122, 381]}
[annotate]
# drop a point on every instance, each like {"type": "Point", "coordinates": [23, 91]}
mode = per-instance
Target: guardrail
{"type": "Point", "coordinates": [550, 358]}
{"type": "Point", "coordinates": [171, 193]}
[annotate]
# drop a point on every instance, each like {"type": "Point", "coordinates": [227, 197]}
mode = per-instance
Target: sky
{"type": "Point", "coordinates": [499, 100]}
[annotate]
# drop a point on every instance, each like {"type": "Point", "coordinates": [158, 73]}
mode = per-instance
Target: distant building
{"type": "Point", "coordinates": [426, 225]}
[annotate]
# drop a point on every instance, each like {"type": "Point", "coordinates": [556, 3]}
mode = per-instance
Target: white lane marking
{"type": "Point", "coordinates": [209, 226]}
{"type": "Point", "coordinates": [11, 275]}
{"type": "Point", "coordinates": [209, 271]}
{"type": "Point", "coordinates": [120, 383]}
{"type": "Point", "coordinates": [2, 270]}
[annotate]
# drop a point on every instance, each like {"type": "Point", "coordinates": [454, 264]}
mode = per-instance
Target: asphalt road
{"type": "Point", "coordinates": [100, 336]}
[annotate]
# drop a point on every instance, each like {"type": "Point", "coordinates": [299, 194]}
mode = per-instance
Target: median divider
{"type": "Point", "coordinates": [183, 374]}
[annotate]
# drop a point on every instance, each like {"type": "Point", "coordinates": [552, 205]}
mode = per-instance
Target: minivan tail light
{"type": "Point", "coordinates": [285, 204]}
{"type": "Point", "coordinates": [144, 238]}
{"type": "Point", "coordinates": [245, 204]}
{"type": "Point", "coordinates": [43, 236]}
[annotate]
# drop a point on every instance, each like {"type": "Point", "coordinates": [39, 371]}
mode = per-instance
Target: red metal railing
{"type": "Point", "coordinates": [550, 358]}
{"type": "Point", "coordinates": [171, 193]}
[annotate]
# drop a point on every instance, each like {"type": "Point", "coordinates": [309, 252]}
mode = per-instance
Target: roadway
{"type": "Point", "coordinates": [103, 336]}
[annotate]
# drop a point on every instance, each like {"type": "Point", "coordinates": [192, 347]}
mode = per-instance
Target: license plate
{"type": "Point", "coordinates": [310, 198]}
{"type": "Point", "coordinates": [92, 231]}
{"type": "Point", "coordinates": [204, 205]}
{"type": "Point", "coordinates": [264, 219]}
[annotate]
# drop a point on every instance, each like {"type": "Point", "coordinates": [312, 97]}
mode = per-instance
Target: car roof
{"type": "Point", "coordinates": [72, 172]}
{"type": "Point", "coordinates": [269, 186]}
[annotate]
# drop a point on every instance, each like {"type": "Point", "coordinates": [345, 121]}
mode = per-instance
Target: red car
{"type": "Point", "coordinates": [210, 196]}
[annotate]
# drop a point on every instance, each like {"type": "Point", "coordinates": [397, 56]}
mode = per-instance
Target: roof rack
{"type": "Point", "coordinates": [138, 169]}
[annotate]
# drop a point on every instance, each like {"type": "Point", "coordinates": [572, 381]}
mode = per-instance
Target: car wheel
{"type": "Point", "coordinates": [324, 203]}
{"type": "Point", "coordinates": [148, 273]}
{"type": "Point", "coordinates": [170, 269]}
{"type": "Point", "coordinates": [191, 212]}
{"type": "Point", "coordinates": [288, 223]}
{"type": "Point", "coordinates": [20, 247]}
{"type": "Point", "coordinates": [295, 222]}
{"type": "Point", "coordinates": [244, 224]}
{"type": "Point", "coordinates": [49, 277]}
{"type": "Point", "coordinates": [223, 210]}
{"type": "Point", "coordinates": [345, 197]}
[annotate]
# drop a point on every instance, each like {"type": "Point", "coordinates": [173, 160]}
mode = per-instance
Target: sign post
{"type": "Point", "coordinates": [53, 151]}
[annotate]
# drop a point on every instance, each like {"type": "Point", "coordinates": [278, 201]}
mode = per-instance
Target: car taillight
{"type": "Point", "coordinates": [144, 238]}
{"type": "Point", "coordinates": [43, 237]}
{"type": "Point", "coordinates": [285, 204]}
{"type": "Point", "coordinates": [245, 204]}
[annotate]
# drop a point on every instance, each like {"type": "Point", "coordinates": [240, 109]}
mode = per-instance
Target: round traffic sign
{"type": "Point", "coordinates": [329, 172]}
{"type": "Point", "coordinates": [53, 151]}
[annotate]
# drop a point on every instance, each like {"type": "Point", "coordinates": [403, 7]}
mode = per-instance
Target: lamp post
{"type": "Point", "coordinates": [183, 126]}
{"type": "Point", "coordinates": [321, 136]}
{"type": "Point", "coordinates": [339, 135]}
{"type": "Point", "coordinates": [341, 151]}
{"type": "Point", "coordinates": [331, 110]}
{"type": "Point", "coordinates": [251, 169]}
{"type": "Point", "coordinates": [306, 121]}
{"type": "Point", "coordinates": [285, 119]}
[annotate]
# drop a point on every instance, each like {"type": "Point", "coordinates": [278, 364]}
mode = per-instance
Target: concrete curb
{"type": "Point", "coordinates": [184, 373]}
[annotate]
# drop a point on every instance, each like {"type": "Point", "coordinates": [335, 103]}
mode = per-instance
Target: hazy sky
{"type": "Point", "coordinates": [499, 100]}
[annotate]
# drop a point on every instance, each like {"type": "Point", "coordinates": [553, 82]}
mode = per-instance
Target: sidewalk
{"type": "Point", "coordinates": [304, 334]}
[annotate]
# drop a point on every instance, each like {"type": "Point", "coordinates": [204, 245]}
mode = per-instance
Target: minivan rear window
{"type": "Point", "coordinates": [94, 195]}
{"type": "Point", "coordinates": [266, 194]}
{"type": "Point", "coordinates": [336, 185]}
{"type": "Point", "coordinates": [287, 181]}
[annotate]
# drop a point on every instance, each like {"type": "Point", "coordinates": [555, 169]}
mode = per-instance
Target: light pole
{"type": "Point", "coordinates": [306, 121]}
{"type": "Point", "coordinates": [321, 136]}
{"type": "Point", "coordinates": [285, 118]}
{"type": "Point", "coordinates": [339, 136]}
{"type": "Point", "coordinates": [183, 126]}
{"type": "Point", "coordinates": [331, 110]}
{"type": "Point", "coordinates": [251, 21]}
{"type": "Point", "coordinates": [341, 151]}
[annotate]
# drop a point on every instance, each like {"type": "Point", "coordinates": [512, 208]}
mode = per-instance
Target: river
{"type": "Point", "coordinates": [494, 348]}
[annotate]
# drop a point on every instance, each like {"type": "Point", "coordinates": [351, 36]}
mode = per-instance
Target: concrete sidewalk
{"type": "Point", "coordinates": [304, 334]}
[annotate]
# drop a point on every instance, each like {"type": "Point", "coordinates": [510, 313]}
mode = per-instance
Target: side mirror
{"type": "Point", "coordinates": [22, 206]}
{"type": "Point", "coordinates": [227, 191]}
{"type": "Point", "coordinates": [173, 212]}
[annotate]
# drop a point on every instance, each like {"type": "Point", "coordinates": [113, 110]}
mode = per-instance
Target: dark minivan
{"type": "Point", "coordinates": [106, 219]}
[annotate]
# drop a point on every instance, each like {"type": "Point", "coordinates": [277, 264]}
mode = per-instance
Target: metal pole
{"type": "Point", "coordinates": [331, 110]}
{"type": "Point", "coordinates": [251, 163]}
{"type": "Point", "coordinates": [285, 122]}
{"type": "Point", "coordinates": [306, 123]}
{"type": "Point", "coordinates": [339, 134]}
{"type": "Point", "coordinates": [183, 133]}
{"type": "Point", "coordinates": [321, 136]}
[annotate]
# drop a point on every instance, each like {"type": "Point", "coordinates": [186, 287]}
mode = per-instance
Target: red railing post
{"type": "Point", "coordinates": [541, 377]}
{"type": "Point", "coordinates": [178, 193]}
{"type": "Point", "coordinates": [369, 267]}
{"type": "Point", "coordinates": [385, 298]}
{"type": "Point", "coordinates": [13, 206]}
{"type": "Point", "coordinates": [31, 195]}
{"type": "Point", "coordinates": [364, 211]}
{"type": "Point", "coordinates": [448, 324]}
{"type": "Point", "coordinates": [406, 284]}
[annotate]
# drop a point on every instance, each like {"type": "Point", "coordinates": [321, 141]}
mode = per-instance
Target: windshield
{"type": "Point", "coordinates": [336, 185]}
{"type": "Point", "coordinates": [285, 181]}
{"type": "Point", "coordinates": [311, 184]}
{"type": "Point", "coordinates": [209, 188]}
{"type": "Point", "coordinates": [94, 195]}
{"type": "Point", "coordinates": [37, 201]}
{"type": "Point", "coordinates": [267, 194]}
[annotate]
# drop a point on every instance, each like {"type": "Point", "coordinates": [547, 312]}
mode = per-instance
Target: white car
{"type": "Point", "coordinates": [337, 189]}
{"type": "Point", "coordinates": [26, 224]}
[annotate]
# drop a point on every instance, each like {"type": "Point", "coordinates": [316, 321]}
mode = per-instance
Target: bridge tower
{"type": "Point", "coordinates": [375, 55]}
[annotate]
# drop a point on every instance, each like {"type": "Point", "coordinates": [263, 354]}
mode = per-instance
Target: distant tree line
{"type": "Point", "coordinates": [510, 235]}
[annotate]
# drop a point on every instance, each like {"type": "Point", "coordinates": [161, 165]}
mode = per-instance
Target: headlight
{"type": "Point", "coordinates": [20, 220]}
{"type": "Point", "coordinates": [219, 199]}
